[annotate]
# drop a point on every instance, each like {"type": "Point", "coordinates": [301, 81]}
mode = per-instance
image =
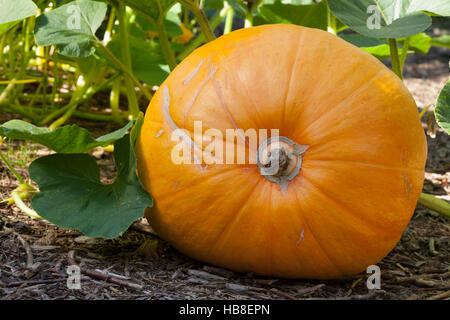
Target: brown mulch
{"type": "Point", "coordinates": [34, 254]}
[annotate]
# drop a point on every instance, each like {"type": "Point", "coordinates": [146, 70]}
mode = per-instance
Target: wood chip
{"type": "Point", "coordinates": [197, 280]}
{"type": "Point", "coordinates": [237, 287]}
{"type": "Point", "coordinates": [302, 292]}
{"type": "Point", "coordinates": [205, 275]}
{"type": "Point", "coordinates": [440, 296]}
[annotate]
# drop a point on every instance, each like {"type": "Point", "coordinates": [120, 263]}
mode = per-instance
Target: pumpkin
{"type": "Point", "coordinates": [350, 150]}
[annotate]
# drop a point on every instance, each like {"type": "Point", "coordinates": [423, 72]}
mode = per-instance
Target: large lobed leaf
{"type": "Point", "coordinates": [153, 9]}
{"type": "Point", "coordinates": [439, 7]}
{"type": "Point", "coordinates": [147, 66]}
{"type": "Point", "coordinates": [67, 139]}
{"type": "Point", "coordinates": [442, 110]}
{"type": "Point", "coordinates": [72, 196]}
{"type": "Point", "coordinates": [441, 41]}
{"type": "Point", "coordinates": [71, 27]}
{"type": "Point", "coordinates": [14, 11]}
{"type": "Point", "coordinates": [171, 23]}
{"type": "Point", "coordinates": [420, 43]}
{"type": "Point", "coordinates": [398, 18]}
{"type": "Point", "coordinates": [312, 15]}
{"type": "Point", "coordinates": [239, 7]}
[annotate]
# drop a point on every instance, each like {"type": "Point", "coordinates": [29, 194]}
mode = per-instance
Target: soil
{"type": "Point", "coordinates": [34, 254]}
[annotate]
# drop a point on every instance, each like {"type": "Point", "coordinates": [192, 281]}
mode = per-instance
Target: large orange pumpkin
{"type": "Point", "coordinates": [351, 160]}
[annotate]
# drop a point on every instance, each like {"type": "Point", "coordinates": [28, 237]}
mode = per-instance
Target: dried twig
{"type": "Point", "coordinates": [302, 292]}
{"type": "Point", "coordinates": [219, 271]}
{"type": "Point", "coordinates": [205, 275]}
{"type": "Point", "coordinates": [237, 287]}
{"type": "Point", "coordinates": [26, 246]}
{"type": "Point", "coordinates": [283, 294]}
{"type": "Point", "coordinates": [111, 274]}
{"type": "Point", "coordinates": [436, 288]}
{"type": "Point", "coordinates": [34, 282]}
{"type": "Point", "coordinates": [421, 282]}
{"type": "Point", "coordinates": [431, 247]}
{"type": "Point", "coordinates": [367, 296]}
{"type": "Point", "coordinates": [102, 276]}
{"type": "Point", "coordinates": [440, 296]}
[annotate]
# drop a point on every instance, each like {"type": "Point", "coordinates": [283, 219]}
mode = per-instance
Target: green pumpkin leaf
{"type": "Point", "coordinates": [67, 139]}
{"type": "Point", "coordinates": [296, 2]}
{"type": "Point", "coordinates": [442, 110]}
{"type": "Point", "coordinates": [213, 5]}
{"type": "Point", "coordinates": [362, 41]}
{"type": "Point", "coordinates": [313, 15]}
{"type": "Point", "coordinates": [441, 41]}
{"type": "Point", "coordinates": [71, 27]}
{"type": "Point", "coordinates": [147, 65]}
{"type": "Point", "coordinates": [153, 9]}
{"type": "Point", "coordinates": [439, 7]}
{"type": "Point", "coordinates": [72, 196]}
{"type": "Point", "coordinates": [380, 48]}
{"type": "Point", "coordinates": [239, 7]}
{"type": "Point", "coordinates": [420, 43]}
{"type": "Point", "coordinates": [171, 24]}
{"type": "Point", "coordinates": [13, 12]}
{"type": "Point", "coordinates": [385, 18]}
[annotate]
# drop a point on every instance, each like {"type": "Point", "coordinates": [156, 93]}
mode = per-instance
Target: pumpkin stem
{"type": "Point", "coordinates": [280, 160]}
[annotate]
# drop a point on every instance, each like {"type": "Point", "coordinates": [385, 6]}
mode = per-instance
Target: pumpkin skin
{"type": "Point", "coordinates": [360, 178]}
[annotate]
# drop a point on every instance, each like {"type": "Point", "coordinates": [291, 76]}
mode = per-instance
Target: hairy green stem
{"type": "Point", "coordinates": [16, 84]}
{"type": "Point", "coordinates": [133, 104]}
{"type": "Point", "coordinates": [104, 117]}
{"type": "Point", "coordinates": [23, 81]}
{"type": "Point", "coordinates": [114, 100]}
{"type": "Point", "coordinates": [45, 77]}
{"type": "Point", "coordinates": [56, 81]}
{"type": "Point", "coordinates": [165, 44]}
{"type": "Point", "coordinates": [2, 48]}
{"type": "Point", "coordinates": [78, 97]}
{"type": "Point", "coordinates": [41, 96]}
{"type": "Point", "coordinates": [5, 93]}
{"type": "Point", "coordinates": [424, 110]}
{"type": "Point", "coordinates": [440, 206]}
{"type": "Point", "coordinates": [124, 69]}
{"type": "Point", "coordinates": [331, 20]}
{"type": "Point", "coordinates": [395, 59]}
{"type": "Point", "coordinates": [11, 53]}
{"type": "Point", "coordinates": [100, 117]}
{"type": "Point", "coordinates": [200, 39]}
{"type": "Point", "coordinates": [202, 20]}
{"type": "Point", "coordinates": [185, 16]}
{"type": "Point", "coordinates": [229, 20]}
{"type": "Point", "coordinates": [23, 207]}
{"type": "Point", "coordinates": [204, 24]}
{"type": "Point", "coordinates": [109, 27]}
{"type": "Point", "coordinates": [248, 22]}
{"type": "Point", "coordinates": [33, 99]}
{"type": "Point", "coordinates": [249, 16]}
{"type": "Point", "coordinates": [20, 110]}
{"type": "Point", "coordinates": [26, 53]}
{"type": "Point", "coordinates": [83, 93]}
{"type": "Point", "coordinates": [404, 52]}
{"type": "Point", "coordinates": [5, 103]}
{"type": "Point", "coordinates": [11, 168]}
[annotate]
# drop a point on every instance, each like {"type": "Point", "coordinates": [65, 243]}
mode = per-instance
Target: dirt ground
{"type": "Point", "coordinates": [34, 254]}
